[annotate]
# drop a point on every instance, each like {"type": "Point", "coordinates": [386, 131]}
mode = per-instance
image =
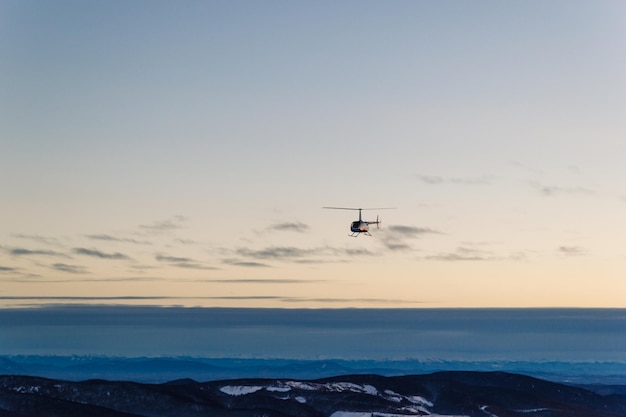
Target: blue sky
{"type": "Point", "coordinates": [159, 152]}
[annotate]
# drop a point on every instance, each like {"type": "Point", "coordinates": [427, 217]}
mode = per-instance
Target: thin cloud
{"type": "Point", "coordinates": [464, 254]}
{"type": "Point", "coordinates": [246, 264]}
{"type": "Point", "coordinates": [103, 298]}
{"type": "Point", "coordinates": [397, 246]}
{"type": "Point", "coordinates": [165, 258]}
{"type": "Point", "coordinates": [295, 254]}
{"type": "Point", "coordinates": [128, 279]}
{"type": "Point", "coordinates": [72, 269]}
{"type": "Point", "coordinates": [455, 257]}
{"type": "Point", "coordinates": [316, 255]}
{"type": "Point", "coordinates": [52, 241]}
{"type": "Point", "coordinates": [327, 254]}
{"type": "Point", "coordinates": [38, 278]}
{"type": "Point", "coordinates": [552, 191]}
{"type": "Point", "coordinates": [263, 281]}
{"type": "Point", "coordinates": [165, 225]}
{"type": "Point", "coordinates": [395, 237]}
{"type": "Point", "coordinates": [110, 238]}
{"type": "Point", "coordinates": [349, 300]}
{"type": "Point", "coordinates": [182, 262]}
{"type": "Point", "coordinates": [243, 297]}
{"type": "Point", "coordinates": [217, 297]}
{"type": "Point", "coordinates": [102, 255]}
{"type": "Point", "coordinates": [142, 267]}
{"type": "Point", "coordinates": [276, 252]}
{"type": "Point", "coordinates": [290, 227]}
{"type": "Point", "coordinates": [28, 252]}
{"type": "Point", "coordinates": [571, 250]}
{"type": "Point", "coordinates": [193, 265]}
{"type": "Point", "coordinates": [439, 180]}
{"type": "Point", "coordinates": [412, 231]}
{"type": "Point", "coordinates": [318, 261]}
{"type": "Point", "coordinates": [431, 179]}
{"type": "Point", "coordinates": [359, 252]}
{"type": "Point", "coordinates": [186, 241]}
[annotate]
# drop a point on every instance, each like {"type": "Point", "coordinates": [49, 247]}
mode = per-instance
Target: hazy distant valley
{"type": "Point", "coordinates": [163, 369]}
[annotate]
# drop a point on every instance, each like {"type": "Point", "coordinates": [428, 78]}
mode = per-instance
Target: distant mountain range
{"type": "Point", "coordinates": [474, 394]}
{"type": "Point", "coordinates": [163, 369]}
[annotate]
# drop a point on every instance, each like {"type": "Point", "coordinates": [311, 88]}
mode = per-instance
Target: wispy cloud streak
{"type": "Point", "coordinates": [263, 281]}
{"type": "Point", "coordinates": [290, 227]}
{"type": "Point", "coordinates": [166, 258]}
{"type": "Point", "coordinates": [182, 262]}
{"type": "Point", "coordinates": [439, 180]}
{"type": "Point", "coordinates": [167, 225]}
{"type": "Point", "coordinates": [553, 191]}
{"type": "Point", "coordinates": [72, 269]}
{"type": "Point", "coordinates": [395, 237]}
{"type": "Point", "coordinates": [29, 252]}
{"type": "Point", "coordinates": [412, 231]}
{"type": "Point", "coordinates": [99, 254]}
{"type": "Point", "coordinates": [571, 250]}
{"type": "Point", "coordinates": [109, 238]}
{"type": "Point", "coordinates": [276, 252]}
{"type": "Point", "coordinates": [245, 264]}
{"type": "Point", "coordinates": [52, 241]}
{"type": "Point", "coordinates": [463, 254]}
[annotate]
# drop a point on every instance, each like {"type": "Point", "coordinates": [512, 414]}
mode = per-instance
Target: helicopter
{"type": "Point", "coordinates": [361, 226]}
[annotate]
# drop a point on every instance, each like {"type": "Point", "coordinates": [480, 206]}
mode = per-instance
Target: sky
{"type": "Point", "coordinates": [179, 154]}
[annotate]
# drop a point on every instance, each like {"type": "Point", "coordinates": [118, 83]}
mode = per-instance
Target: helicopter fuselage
{"type": "Point", "coordinates": [359, 226]}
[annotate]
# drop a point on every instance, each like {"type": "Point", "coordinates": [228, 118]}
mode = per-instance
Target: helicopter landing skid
{"type": "Point", "coordinates": [360, 233]}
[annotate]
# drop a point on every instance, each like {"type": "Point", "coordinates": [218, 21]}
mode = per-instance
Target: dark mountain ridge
{"type": "Point", "coordinates": [454, 393]}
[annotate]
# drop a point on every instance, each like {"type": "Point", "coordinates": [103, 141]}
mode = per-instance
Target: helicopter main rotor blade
{"type": "Point", "coordinates": [351, 208]}
{"type": "Point", "coordinates": [380, 208]}
{"type": "Point", "coordinates": [341, 208]}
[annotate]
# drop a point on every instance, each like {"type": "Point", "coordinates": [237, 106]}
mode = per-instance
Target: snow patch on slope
{"type": "Point", "coordinates": [416, 399]}
{"type": "Point", "coordinates": [417, 405]}
{"type": "Point", "coordinates": [278, 389]}
{"type": "Point", "coordinates": [27, 390]}
{"type": "Point", "coordinates": [239, 390]}
{"type": "Point", "coordinates": [333, 387]}
{"type": "Point", "coordinates": [375, 414]}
